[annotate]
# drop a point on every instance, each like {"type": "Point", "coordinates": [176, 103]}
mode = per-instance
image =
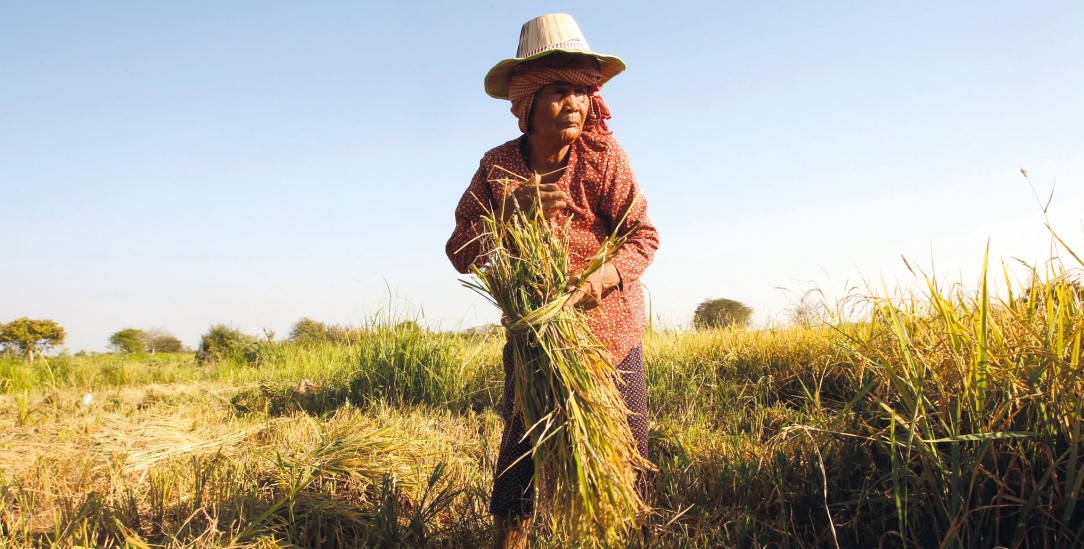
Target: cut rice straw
{"type": "Point", "coordinates": [586, 462]}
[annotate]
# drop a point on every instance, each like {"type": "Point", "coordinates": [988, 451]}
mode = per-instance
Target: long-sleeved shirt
{"type": "Point", "coordinates": [602, 191]}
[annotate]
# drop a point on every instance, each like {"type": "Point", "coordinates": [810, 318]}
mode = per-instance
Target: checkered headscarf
{"type": "Point", "coordinates": [524, 85]}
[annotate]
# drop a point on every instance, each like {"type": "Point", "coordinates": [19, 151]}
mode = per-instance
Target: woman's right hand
{"type": "Point", "coordinates": [534, 193]}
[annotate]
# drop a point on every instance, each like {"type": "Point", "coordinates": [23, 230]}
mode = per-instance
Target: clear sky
{"type": "Point", "coordinates": [182, 164]}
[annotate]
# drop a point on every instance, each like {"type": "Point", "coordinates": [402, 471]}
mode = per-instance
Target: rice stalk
{"type": "Point", "coordinates": [585, 460]}
{"type": "Point", "coordinates": [981, 411]}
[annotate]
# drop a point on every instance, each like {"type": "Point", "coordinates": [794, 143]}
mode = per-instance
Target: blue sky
{"type": "Point", "coordinates": [180, 165]}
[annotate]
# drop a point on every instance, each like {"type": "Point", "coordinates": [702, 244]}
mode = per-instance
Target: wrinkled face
{"type": "Point", "coordinates": [559, 111]}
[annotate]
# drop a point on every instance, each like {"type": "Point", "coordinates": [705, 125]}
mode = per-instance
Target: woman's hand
{"type": "Point", "coordinates": [534, 193]}
{"type": "Point", "coordinates": [587, 293]}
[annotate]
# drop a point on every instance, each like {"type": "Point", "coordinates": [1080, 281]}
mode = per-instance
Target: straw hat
{"type": "Point", "coordinates": [541, 36]}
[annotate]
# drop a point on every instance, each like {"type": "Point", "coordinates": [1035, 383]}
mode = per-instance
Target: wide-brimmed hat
{"type": "Point", "coordinates": [544, 35]}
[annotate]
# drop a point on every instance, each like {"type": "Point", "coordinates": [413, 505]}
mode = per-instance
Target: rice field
{"type": "Point", "coordinates": [948, 417]}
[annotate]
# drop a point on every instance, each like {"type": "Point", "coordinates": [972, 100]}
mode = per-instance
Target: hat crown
{"type": "Point", "coordinates": [549, 32]}
{"type": "Point", "coordinates": [555, 32]}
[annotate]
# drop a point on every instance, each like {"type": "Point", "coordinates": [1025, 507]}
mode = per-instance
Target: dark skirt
{"type": "Point", "coordinates": [513, 488]}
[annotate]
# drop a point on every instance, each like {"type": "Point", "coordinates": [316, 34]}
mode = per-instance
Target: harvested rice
{"type": "Point", "coordinates": [586, 463]}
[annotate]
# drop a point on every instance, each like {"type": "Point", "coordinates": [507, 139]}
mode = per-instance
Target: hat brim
{"type": "Point", "coordinates": [497, 80]}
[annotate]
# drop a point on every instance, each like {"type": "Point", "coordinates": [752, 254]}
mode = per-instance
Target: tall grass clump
{"type": "Point", "coordinates": [971, 406]}
{"type": "Point", "coordinates": [92, 372]}
{"type": "Point", "coordinates": [585, 458]}
{"type": "Point", "coordinates": [402, 363]}
{"type": "Point", "coordinates": [711, 373]}
{"type": "Point", "coordinates": [387, 361]}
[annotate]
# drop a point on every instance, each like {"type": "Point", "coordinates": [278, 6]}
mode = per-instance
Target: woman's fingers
{"type": "Point", "coordinates": [550, 194]}
{"type": "Point", "coordinates": [547, 195]}
{"type": "Point", "coordinates": [574, 298]}
{"type": "Point", "coordinates": [550, 209]}
{"type": "Point", "coordinates": [552, 198]}
{"type": "Point", "coordinates": [585, 294]}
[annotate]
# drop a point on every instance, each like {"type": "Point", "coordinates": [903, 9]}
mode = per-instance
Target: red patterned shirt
{"type": "Point", "coordinates": [601, 188]}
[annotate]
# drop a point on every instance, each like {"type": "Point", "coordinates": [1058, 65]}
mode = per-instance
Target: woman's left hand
{"type": "Point", "coordinates": [587, 293]}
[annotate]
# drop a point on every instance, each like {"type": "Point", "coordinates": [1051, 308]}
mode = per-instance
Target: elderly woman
{"type": "Point", "coordinates": [580, 176]}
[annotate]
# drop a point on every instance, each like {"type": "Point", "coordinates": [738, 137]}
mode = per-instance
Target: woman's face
{"type": "Point", "coordinates": [559, 111]}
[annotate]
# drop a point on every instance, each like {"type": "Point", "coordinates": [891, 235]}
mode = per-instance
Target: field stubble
{"type": "Point", "coordinates": [949, 418]}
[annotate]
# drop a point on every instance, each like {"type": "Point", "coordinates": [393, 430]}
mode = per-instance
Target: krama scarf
{"type": "Point", "coordinates": [522, 88]}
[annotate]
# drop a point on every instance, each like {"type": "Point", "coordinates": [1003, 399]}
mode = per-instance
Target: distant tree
{"type": "Point", "coordinates": [26, 335]}
{"type": "Point", "coordinates": [167, 343]}
{"type": "Point", "coordinates": [307, 330]}
{"type": "Point", "coordinates": [128, 340]}
{"type": "Point", "coordinates": [409, 326]}
{"type": "Point", "coordinates": [720, 313]}
{"type": "Point", "coordinates": [158, 340]}
{"type": "Point", "coordinates": [491, 328]}
{"type": "Point", "coordinates": [223, 341]}
{"type": "Point", "coordinates": [342, 334]}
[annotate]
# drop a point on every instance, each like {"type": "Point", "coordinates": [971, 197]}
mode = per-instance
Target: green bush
{"type": "Point", "coordinates": [721, 313]}
{"type": "Point", "coordinates": [222, 342]}
{"type": "Point", "coordinates": [128, 340]}
{"type": "Point", "coordinates": [308, 331]}
{"type": "Point", "coordinates": [157, 340]}
{"type": "Point", "coordinates": [166, 343]}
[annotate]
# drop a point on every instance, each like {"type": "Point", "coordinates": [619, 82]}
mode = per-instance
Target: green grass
{"type": "Point", "coordinates": [92, 372]}
{"type": "Point", "coordinates": [944, 418]}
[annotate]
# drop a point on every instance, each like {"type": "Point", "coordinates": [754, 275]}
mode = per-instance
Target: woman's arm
{"type": "Point", "coordinates": [626, 208]}
{"type": "Point", "coordinates": [464, 247]}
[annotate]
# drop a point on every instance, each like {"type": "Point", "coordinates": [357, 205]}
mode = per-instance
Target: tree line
{"type": "Point", "coordinates": [153, 340]}
{"type": "Point", "coordinates": [27, 336]}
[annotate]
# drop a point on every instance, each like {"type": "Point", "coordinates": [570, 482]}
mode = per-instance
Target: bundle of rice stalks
{"type": "Point", "coordinates": [585, 458]}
